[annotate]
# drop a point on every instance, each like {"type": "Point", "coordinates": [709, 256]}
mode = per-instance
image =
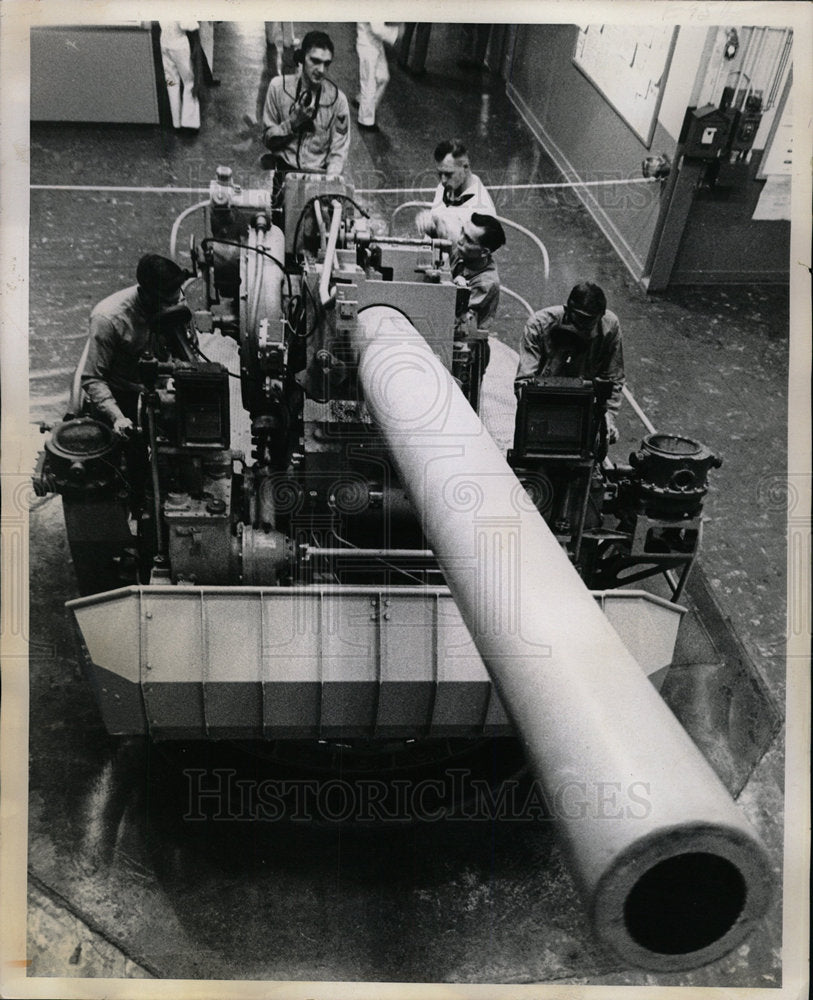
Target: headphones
{"type": "Point", "coordinates": [299, 56]}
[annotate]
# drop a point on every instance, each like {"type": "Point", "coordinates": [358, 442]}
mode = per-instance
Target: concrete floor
{"type": "Point", "coordinates": [110, 857]}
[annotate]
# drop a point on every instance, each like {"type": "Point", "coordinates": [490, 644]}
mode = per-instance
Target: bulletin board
{"type": "Point", "coordinates": [628, 65]}
{"type": "Point", "coordinates": [94, 73]}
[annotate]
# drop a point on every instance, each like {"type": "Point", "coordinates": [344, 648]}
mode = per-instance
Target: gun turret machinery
{"type": "Point", "coordinates": [370, 568]}
{"type": "Point", "coordinates": [620, 523]}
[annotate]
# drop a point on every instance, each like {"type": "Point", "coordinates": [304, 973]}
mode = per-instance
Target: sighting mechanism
{"type": "Point", "coordinates": [620, 523]}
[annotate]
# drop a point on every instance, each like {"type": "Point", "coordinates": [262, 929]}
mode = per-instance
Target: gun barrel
{"type": "Point", "coordinates": [672, 873]}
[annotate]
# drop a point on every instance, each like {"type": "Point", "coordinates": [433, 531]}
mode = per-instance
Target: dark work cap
{"type": "Point", "coordinates": [160, 274]}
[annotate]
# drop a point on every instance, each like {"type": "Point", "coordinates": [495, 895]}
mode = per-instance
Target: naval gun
{"type": "Point", "coordinates": [371, 568]}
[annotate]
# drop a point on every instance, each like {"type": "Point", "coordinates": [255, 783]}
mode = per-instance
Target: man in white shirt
{"type": "Point", "coordinates": [459, 194]}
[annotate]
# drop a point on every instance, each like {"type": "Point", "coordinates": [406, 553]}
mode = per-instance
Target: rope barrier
{"type": "Point", "coordinates": [117, 190]}
{"type": "Point", "coordinates": [517, 187]}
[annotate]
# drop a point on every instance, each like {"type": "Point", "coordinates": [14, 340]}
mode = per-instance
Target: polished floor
{"type": "Point", "coordinates": [107, 840]}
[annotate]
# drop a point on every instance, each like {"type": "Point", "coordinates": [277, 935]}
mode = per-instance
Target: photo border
{"type": "Point", "coordinates": [16, 18]}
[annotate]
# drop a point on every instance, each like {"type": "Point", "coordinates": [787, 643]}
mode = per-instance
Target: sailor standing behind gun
{"type": "Point", "coordinates": [459, 194]}
{"type": "Point", "coordinates": [579, 340]}
{"type": "Point", "coordinates": [306, 118]}
{"type": "Point", "coordinates": [473, 267]}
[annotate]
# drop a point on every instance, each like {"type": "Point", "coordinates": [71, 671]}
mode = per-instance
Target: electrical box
{"type": "Point", "coordinates": [746, 125]}
{"type": "Point", "coordinates": [705, 132]}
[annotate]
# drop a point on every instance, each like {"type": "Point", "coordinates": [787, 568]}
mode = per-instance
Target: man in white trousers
{"type": "Point", "coordinates": [177, 58]}
{"type": "Point", "coordinates": [374, 73]}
